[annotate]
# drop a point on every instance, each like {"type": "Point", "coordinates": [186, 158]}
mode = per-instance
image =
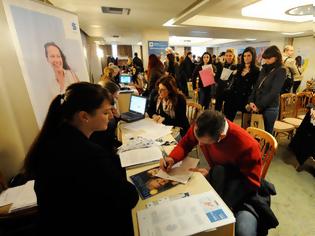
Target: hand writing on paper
{"type": "Point", "coordinates": [166, 163]}
{"type": "Point", "coordinates": [203, 171]}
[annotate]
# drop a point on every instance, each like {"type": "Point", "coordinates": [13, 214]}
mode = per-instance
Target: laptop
{"type": "Point", "coordinates": [125, 79]}
{"type": "Point", "coordinates": [136, 109]}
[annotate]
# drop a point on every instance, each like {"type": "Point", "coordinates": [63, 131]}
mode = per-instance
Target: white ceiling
{"type": "Point", "coordinates": [210, 19]}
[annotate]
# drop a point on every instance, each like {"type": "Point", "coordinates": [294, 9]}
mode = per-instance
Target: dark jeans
{"type": "Point", "coordinates": [205, 97]}
{"type": "Point", "coordinates": [270, 116]}
{"type": "Point", "coordinates": [233, 188]}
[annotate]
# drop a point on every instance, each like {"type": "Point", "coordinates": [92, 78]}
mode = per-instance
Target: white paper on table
{"type": "Point", "coordinates": [155, 133]}
{"type": "Point", "coordinates": [226, 74]}
{"type": "Point", "coordinates": [180, 171]}
{"type": "Point", "coordinates": [140, 156]}
{"type": "Point", "coordinates": [136, 143]}
{"type": "Point", "coordinates": [179, 217]}
{"type": "Point", "coordinates": [142, 124]}
{"type": "Point", "coordinates": [215, 209]}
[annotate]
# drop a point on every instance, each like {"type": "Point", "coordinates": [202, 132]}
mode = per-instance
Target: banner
{"type": "Point", "coordinates": [157, 47]}
{"type": "Point", "coordinates": [49, 48]}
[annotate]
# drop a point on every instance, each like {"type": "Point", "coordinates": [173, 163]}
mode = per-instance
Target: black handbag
{"type": "Point", "coordinates": [229, 85]}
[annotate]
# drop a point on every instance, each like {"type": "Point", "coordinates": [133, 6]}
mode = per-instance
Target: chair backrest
{"type": "Point", "coordinates": [192, 111]}
{"type": "Point", "coordinates": [288, 105]}
{"type": "Point", "coordinates": [303, 98]}
{"type": "Point", "coordinates": [268, 146]}
{"type": "Point", "coordinates": [313, 99]}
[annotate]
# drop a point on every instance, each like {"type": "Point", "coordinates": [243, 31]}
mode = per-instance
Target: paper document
{"type": "Point", "coordinates": [185, 216]}
{"type": "Point", "coordinates": [21, 197]}
{"type": "Point", "coordinates": [136, 143]}
{"type": "Point", "coordinates": [180, 217]}
{"type": "Point", "coordinates": [226, 74]}
{"type": "Point", "coordinates": [140, 156]}
{"type": "Point", "coordinates": [180, 171]}
{"type": "Point", "coordinates": [207, 77]}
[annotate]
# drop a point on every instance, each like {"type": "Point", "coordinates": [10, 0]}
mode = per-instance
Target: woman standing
{"type": "Point", "coordinates": [169, 106]}
{"type": "Point", "coordinates": [204, 92]}
{"type": "Point", "coordinates": [75, 179]}
{"type": "Point", "coordinates": [155, 71]}
{"type": "Point", "coordinates": [265, 95]}
{"type": "Point", "coordinates": [229, 63]}
{"type": "Point", "coordinates": [244, 80]}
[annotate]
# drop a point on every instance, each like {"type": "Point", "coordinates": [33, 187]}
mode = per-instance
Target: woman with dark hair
{"type": "Point", "coordinates": [244, 80]}
{"type": "Point", "coordinates": [264, 98]}
{"type": "Point", "coordinates": [155, 71]}
{"type": "Point", "coordinates": [71, 172]}
{"type": "Point", "coordinates": [107, 138]}
{"type": "Point", "coordinates": [169, 105]}
{"type": "Point", "coordinates": [63, 73]}
{"type": "Point", "coordinates": [298, 78]}
{"type": "Point", "coordinates": [204, 93]}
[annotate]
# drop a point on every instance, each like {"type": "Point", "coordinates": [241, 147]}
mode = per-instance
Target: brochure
{"type": "Point", "coordinates": [148, 184]}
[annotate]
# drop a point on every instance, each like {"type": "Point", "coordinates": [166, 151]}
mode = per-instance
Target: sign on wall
{"type": "Point", "coordinates": [49, 49]}
{"type": "Point", "coordinates": [157, 47]}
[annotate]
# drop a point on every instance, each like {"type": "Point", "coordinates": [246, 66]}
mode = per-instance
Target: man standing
{"type": "Point", "coordinates": [234, 159]}
{"type": "Point", "coordinates": [188, 68]}
{"type": "Point", "coordinates": [138, 62]}
{"type": "Point", "coordinates": [292, 70]}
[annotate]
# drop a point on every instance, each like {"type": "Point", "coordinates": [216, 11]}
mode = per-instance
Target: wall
{"type": "Point", "coordinates": [151, 35]}
{"type": "Point", "coordinates": [305, 47]}
{"type": "Point", "coordinates": [17, 121]}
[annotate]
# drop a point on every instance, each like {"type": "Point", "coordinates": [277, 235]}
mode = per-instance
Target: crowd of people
{"type": "Point", "coordinates": [76, 149]}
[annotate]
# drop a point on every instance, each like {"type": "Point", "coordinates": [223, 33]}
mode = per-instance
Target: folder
{"type": "Point", "coordinates": [206, 77]}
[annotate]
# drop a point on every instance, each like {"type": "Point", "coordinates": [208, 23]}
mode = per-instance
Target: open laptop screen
{"type": "Point", "coordinates": [125, 79]}
{"type": "Point", "coordinates": [138, 104]}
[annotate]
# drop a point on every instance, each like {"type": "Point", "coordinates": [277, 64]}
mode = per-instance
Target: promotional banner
{"type": "Point", "coordinates": [157, 47]}
{"type": "Point", "coordinates": [49, 48]}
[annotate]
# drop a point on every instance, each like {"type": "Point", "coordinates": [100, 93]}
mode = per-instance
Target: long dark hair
{"type": "Point", "coordinates": [273, 51]}
{"type": "Point", "coordinates": [154, 63]}
{"type": "Point", "coordinates": [170, 83]}
{"type": "Point", "coordinates": [210, 60]}
{"type": "Point", "coordinates": [252, 51]}
{"type": "Point", "coordinates": [65, 65]}
{"type": "Point", "coordinates": [81, 96]}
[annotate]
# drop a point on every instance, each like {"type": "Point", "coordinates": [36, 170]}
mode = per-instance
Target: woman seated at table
{"type": "Point", "coordinates": [169, 105]}
{"type": "Point", "coordinates": [75, 179]}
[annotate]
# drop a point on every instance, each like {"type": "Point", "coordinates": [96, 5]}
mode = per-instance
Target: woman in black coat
{"type": "Point", "coordinates": [77, 181]}
{"type": "Point", "coordinates": [244, 80]}
{"type": "Point", "coordinates": [168, 106]}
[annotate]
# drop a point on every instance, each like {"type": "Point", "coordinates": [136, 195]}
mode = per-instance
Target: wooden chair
{"type": "Point", "coordinates": [268, 146]}
{"type": "Point", "coordinates": [288, 103]}
{"type": "Point", "coordinates": [192, 111]}
{"type": "Point", "coordinates": [303, 98]}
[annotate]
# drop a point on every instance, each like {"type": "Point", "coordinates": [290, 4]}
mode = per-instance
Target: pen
{"type": "Point", "coordinates": [164, 155]}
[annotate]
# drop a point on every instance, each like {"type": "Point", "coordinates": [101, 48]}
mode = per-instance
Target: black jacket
{"type": "Point", "coordinates": [267, 89]}
{"type": "Point", "coordinates": [259, 205]}
{"type": "Point", "coordinates": [77, 182]}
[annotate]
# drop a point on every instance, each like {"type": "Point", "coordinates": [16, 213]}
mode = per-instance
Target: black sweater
{"type": "Point", "coordinates": [77, 182]}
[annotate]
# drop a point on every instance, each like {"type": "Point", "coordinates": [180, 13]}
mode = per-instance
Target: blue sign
{"type": "Point", "coordinates": [157, 47]}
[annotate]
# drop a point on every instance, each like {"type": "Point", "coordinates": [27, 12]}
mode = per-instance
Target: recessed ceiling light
{"type": "Point", "coordinates": [292, 33]}
{"type": "Point", "coordinates": [250, 39]}
{"type": "Point", "coordinates": [304, 10]}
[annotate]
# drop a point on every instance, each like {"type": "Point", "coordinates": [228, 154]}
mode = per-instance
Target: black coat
{"type": "Point", "coordinates": [77, 182]}
{"type": "Point", "coordinates": [267, 89]}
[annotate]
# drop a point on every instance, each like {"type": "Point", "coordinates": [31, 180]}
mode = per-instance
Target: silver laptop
{"type": "Point", "coordinates": [137, 108]}
{"type": "Point", "coordinates": [125, 79]}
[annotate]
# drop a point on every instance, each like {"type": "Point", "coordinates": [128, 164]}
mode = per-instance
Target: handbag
{"type": "Point", "coordinates": [229, 85]}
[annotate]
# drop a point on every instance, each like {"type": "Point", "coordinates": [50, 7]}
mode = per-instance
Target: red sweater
{"type": "Point", "coordinates": [238, 148]}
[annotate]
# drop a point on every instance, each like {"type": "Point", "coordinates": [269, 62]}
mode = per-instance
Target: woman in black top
{"type": "Point", "coordinates": [204, 93]}
{"type": "Point", "coordinates": [76, 181]}
{"type": "Point", "coordinates": [169, 105]}
{"type": "Point", "coordinates": [244, 80]}
{"type": "Point", "coordinates": [264, 98]}
{"type": "Point", "coordinates": [230, 63]}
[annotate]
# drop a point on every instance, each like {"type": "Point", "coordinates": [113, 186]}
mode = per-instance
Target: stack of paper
{"type": "Point", "coordinates": [21, 197]}
{"type": "Point", "coordinates": [140, 156]}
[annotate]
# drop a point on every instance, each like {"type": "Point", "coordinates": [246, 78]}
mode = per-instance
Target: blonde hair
{"type": "Point", "coordinates": [231, 50]}
{"type": "Point", "coordinates": [107, 74]}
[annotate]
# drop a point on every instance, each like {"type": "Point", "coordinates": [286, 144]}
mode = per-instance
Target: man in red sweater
{"type": "Point", "coordinates": [234, 159]}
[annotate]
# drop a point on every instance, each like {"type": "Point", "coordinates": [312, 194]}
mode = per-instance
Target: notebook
{"type": "Point", "coordinates": [136, 109]}
{"type": "Point", "coordinates": [125, 79]}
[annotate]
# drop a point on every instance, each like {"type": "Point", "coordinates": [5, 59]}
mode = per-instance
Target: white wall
{"type": "Point", "coordinates": [305, 47]}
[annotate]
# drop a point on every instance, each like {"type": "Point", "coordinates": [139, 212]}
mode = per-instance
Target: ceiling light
{"type": "Point", "coordinates": [116, 10]}
{"type": "Point", "coordinates": [250, 39]}
{"type": "Point", "coordinates": [292, 33]}
{"type": "Point", "coordinates": [304, 10]}
{"type": "Point", "coordinates": [95, 26]}
{"type": "Point", "coordinates": [261, 9]}
{"type": "Point", "coordinates": [139, 43]}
